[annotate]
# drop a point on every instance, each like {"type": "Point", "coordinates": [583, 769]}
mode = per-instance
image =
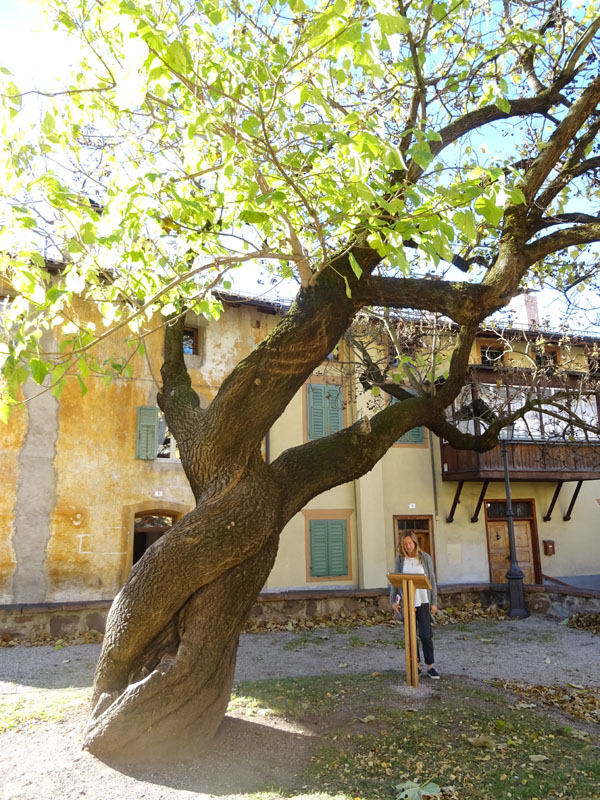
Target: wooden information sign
{"type": "Point", "coordinates": [408, 582]}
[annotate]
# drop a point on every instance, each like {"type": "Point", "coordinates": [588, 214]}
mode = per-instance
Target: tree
{"type": "Point", "coordinates": [336, 143]}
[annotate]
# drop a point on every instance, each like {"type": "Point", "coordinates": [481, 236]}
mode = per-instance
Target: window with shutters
{"type": "Point", "coordinates": [153, 440]}
{"type": "Point", "coordinates": [328, 548]}
{"type": "Point", "coordinates": [324, 409]}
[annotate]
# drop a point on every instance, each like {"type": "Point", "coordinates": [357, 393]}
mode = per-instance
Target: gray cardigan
{"type": "Point", "coordinates": [428, 567]}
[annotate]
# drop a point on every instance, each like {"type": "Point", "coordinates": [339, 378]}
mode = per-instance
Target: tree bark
{"type": "Point", "coordinates": [168, 660]}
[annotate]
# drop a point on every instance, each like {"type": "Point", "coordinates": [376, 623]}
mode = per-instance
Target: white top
{"type": "Point", "coordinates": [413, 565]}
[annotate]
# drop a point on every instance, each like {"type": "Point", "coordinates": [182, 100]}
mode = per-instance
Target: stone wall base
{"type": "Point", "coordinates": [69, 619]}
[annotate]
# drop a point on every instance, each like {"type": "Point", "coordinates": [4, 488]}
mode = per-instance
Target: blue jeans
{"type": "Point", "coordinates": [425, 633]}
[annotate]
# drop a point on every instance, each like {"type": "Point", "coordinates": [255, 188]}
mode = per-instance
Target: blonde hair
{"type": "Point", "coordinates": [409, 535]}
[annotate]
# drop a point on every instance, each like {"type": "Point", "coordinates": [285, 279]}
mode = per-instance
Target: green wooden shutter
{"type": "Point", "coordinates": [337, 547]}
{"type": "Point", "coordinates": [146, 436]}
{"type": "Point", "coordinates": [324, 409]}
{"type": "Point", "coordinates": [413, 436]}
{"type": "Point", "coordinates": [328, 548]}
{"type": "Point", "coordinates": [318, 548]}
{"type": "Point", "coordinates": [315, 410]}
{"type": "Point", "coordinates": [335, 408]}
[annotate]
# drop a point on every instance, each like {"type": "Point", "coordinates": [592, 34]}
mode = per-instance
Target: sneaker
{"type": "Point", "coordinates": [433, 673]}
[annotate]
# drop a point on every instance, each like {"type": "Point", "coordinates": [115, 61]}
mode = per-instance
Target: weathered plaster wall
{"type": "Point", "coordinates": [36, 496]}
{"type": "Point", "coordinates": [100, 485]}
{"type": "Point", "coordinates": [12, 436]}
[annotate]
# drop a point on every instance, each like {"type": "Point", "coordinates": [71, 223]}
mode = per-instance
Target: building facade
{"type": "Point", "coordinates": [88, 482]}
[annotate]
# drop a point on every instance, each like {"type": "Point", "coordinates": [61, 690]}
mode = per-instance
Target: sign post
{"type": "Point", "coordinates": [407, 582]}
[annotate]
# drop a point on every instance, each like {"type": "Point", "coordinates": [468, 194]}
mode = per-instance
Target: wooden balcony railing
{"type": "Point", "coordinates": [527, 461]}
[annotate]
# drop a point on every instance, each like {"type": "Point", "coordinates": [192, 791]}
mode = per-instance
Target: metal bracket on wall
{"type": "Point", "coordinates": [567, 516]}
{"type": "Point", "coordinates": [475, 516]}
{"type": "Point", "coordinates": [548, 515]}
{"type": "Point", "coordinates": [450, 517]}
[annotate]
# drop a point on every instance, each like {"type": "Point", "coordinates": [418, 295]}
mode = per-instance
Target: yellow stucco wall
{"type": "Point", "coordinates": [100, 485]}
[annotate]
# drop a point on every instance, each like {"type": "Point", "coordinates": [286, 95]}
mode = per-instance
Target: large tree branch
{"type": "Point", "coordinates": [345, 455]}
{"type": "Point", "coordinates": [465, 303]}
{"type": "Point", "coordinates": [561, 138]}
{"type": "Point", "coordinates": [559, 240]}
{"type": "Point", "coordinates": [473, 120]}
{"type": "Point", "coordinates": [566, 218]}
{"type": "Point", "coordinates": [573, 168]}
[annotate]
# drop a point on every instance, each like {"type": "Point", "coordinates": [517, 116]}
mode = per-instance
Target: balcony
{"type": "Point", "coordinates": [527, 461]}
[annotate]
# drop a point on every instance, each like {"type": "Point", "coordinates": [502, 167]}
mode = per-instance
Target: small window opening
{"type": "Point", "coordinates": [149, 526]}
{"type": "Point", "coordinates": [190, 341]}
{"type": "Point", "coordinates": [167, 446]}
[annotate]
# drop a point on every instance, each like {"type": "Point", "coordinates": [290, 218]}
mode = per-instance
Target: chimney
{"type": "Point", "coordinates": [525, 311]}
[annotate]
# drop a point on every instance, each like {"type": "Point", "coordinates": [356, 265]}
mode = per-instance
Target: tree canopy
{"type": "Point", "coordinates": [196, 137]}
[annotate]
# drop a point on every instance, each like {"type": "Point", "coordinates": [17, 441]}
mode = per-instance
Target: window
{"type": "Point", "coordinates": [148, 527]}
{"type": "Point", "coordinates": [547, 360]}
{"type": "Point", "coordinates": [496, 509]}
{"type": "Point", "coordinates": [492, 356]}
{"type": "Point", "coordinates": [328, 548]}
{"type": "Point", "coordinates": [324, 409]}
{"type": "Point", "coordinates": [153, 439]}
{"type": "Point", "coordinates": [166, 445]}
{"type": "Point", "coordinates": [190, 341]}
{"type": "Point", "coordinates": [147, 431]}
{"type": "Point", "coordinates": [413, 436]}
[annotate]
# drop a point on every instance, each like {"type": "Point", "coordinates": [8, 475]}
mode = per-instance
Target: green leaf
{"type": "Point", "coordinates": [82, 386]}
{"type": "Point", "coordinates": [392, 23]}
{"type": "Point", "coordinates": [48, 123]}
{"type": "Point", "coordinates": [356, 268]}
{"type": "Point", "coordinates": [39, 370]}
{"type": "Point", "coordinates": [491, 212]}
{"type": "Point", "coordinates": [178, 56]}
{"type": "Point", "coordinates": [502, 103]}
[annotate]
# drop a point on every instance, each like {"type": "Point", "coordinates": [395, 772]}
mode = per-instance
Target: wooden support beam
{"type": "Point", "coordinates": [567, 516]}
{"type": "Point", "coordinates": [450, 517]}
{"type": "Point", "coordinates": [475, 516]}
{"type": "Point", "coordinates": [548, 515]}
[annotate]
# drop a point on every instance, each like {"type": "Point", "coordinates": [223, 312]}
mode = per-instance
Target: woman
{"type": "Point", "coordinates": [412, 559]}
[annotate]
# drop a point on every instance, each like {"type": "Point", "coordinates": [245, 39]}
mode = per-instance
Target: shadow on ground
{"type": "Point", "coordinates": [246, 756]}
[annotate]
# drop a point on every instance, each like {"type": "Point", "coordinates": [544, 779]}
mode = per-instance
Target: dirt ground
{"type": "Point", "coordinates": [43, 759]}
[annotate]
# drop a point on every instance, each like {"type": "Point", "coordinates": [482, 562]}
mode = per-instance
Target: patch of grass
{"type": "Point", "coordinates": [354, 641]}
{"type": "Point", "coordinates": [315, 696]}
{"type": "Point", "coordinates": [302, 641]}
{"type": "Point", "coordinates": [472, 741]}
{"type": "Point", "coordinates": [19, 711]}
{"type": "Point", "coordinates": [460, 626]}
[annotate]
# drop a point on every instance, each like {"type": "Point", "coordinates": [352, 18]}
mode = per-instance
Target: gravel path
{"type": "Point", "coordinates": [44, 761]}
{"type": "Point", "coordinates": [535, 650]}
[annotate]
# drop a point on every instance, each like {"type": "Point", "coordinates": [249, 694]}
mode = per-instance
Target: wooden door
{"type": "Point", "coordinates": [497, 531]}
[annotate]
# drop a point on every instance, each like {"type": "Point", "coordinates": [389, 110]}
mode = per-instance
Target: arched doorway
{"type": "Point", "coordinates": [147, 528]}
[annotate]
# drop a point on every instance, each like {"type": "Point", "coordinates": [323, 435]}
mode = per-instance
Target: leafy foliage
{"type": "Point", "coordinates": [194, 138]}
